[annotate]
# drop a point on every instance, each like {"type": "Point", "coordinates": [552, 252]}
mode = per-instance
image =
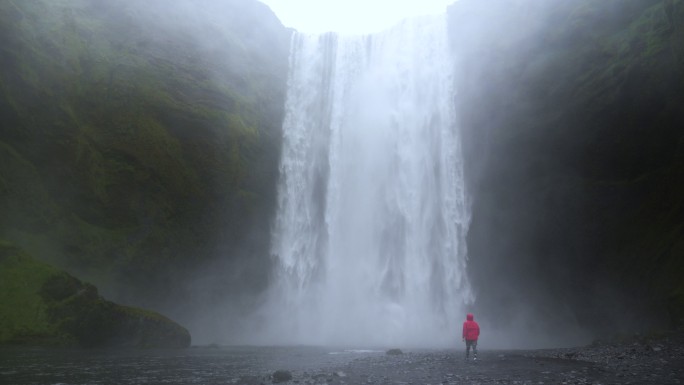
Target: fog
{"type": "Point", "coordinates": [534, 261]}
{"type": "Point", "coordinates": [368, 278]}
{"type": "Point", "coordinates": [370, 241]}
{"type": "Point", "coordinates": [351, 16]}
{"type": "Point", "coordinates": [349, 280]}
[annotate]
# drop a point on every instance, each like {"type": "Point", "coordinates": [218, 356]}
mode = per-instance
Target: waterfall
{"type": "Point", "coordinates": [369, 238]}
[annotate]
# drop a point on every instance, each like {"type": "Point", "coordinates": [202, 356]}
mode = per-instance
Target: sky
{"type": "Point", "coordinates": [350, 16]}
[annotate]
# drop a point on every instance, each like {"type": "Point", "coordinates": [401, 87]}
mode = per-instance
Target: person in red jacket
{"type": "Point", "coordinates": [471, 331]}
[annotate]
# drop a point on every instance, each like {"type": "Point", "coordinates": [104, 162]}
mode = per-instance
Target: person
{"type": "Point", "coordinates": [471, 332]}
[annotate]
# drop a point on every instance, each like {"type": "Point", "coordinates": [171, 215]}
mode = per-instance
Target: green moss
{"type": "Point", "coordinates": [23, 314]}
{"type": "Point", "coordinates": [41, 305]}
{"type": "Point", "coordinates": [649, 34]}
{"type": "Point", "coordinates": [130, 152]}
{"type": "Point", "coordinates": [25, 202]}
{"type": "Point", "coordinates": [584, 157]}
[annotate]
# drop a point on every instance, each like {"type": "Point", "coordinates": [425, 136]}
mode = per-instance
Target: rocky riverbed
{"type": "Point", "coordinates": [631, 361]}
{"type": "Point", "coordinates": [628, 361]}
{"type": "Point", "coordinates": [634, 360]}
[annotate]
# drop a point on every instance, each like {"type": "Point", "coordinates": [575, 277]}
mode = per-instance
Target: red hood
{"type": "Point", "coordinates": [469, 317]}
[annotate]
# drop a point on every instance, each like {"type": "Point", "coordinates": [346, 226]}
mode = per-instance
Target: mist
{"type": "Point", "coordinates": [543, 267]}
{"type": "Point", "coordinates": [371, 189]}
{"type": "Point", "coordinates": [244, 298]}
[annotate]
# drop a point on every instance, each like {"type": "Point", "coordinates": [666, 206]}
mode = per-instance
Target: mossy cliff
{"type": "Point", "coordinates": [41, 305]}
{"type": "Point", "coordinates": [573, 121]}
{"type": "Point", "coordinates": [139, 144]}
{"type": "Point", "coordinates": [139, 141]}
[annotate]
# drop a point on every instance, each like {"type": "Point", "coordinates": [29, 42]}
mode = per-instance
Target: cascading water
{"type": "Point", "coordinates": [369, 238]}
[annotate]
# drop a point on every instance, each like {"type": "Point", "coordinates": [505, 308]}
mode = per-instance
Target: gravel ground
{"type": "Point", "coordinates": [633, 361]}
{"type": "Point", "coordinates": [637, 361]}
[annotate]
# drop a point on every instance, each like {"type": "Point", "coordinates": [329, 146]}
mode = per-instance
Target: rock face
{"type": "Point", "coordinates": [42, 305]}
{"type": "Point", "coordinates": [572, 121]}
{"type": "Point", "coordinates": [140, 140]}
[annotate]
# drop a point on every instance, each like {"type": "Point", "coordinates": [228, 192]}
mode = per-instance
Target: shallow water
{"type": "Point", "coordinates": [224, 365]}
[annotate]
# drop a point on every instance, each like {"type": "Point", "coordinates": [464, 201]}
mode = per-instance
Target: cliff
{"type": "Point", "coordinates": [140, 140]}
{"type": "Point", "coordinates": [571, 114]}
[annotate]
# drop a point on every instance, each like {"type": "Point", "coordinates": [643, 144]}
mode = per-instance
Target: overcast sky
{"type": "Point", "coordinates": [350, 16]}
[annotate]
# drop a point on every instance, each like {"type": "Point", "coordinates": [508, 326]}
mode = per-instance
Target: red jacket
{"type": "Point", "coordinates": [471, 330]}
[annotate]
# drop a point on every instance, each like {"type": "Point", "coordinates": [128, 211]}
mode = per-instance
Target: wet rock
{"type": "Point", "coordinates": [281, 376]}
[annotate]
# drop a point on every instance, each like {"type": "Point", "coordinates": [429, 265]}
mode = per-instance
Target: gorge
{"type": "Point", "coordinates": [522, 160]}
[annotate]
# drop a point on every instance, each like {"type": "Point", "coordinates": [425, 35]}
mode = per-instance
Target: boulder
{"type": "Point", "coordinates": [281, 376]}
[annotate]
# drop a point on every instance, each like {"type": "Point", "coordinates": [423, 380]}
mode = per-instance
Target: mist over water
{"type": "Point", "coordinates": [369, 238]}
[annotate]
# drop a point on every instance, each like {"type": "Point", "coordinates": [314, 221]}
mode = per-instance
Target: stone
{"type": "Point", "coordinates": [281, 376]}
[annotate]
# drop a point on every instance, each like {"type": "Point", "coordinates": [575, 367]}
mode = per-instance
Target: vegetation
{"type": "Point", "coordinates": [573, 123]}
{"type": "Point", "coordinates": [137, 142]}
{"type": "Point", "coordinates": [138, 145]}
{"type": "Point", "coordinates": [23, 314]}
{"type": "Point", "coordinates": [41, 305]}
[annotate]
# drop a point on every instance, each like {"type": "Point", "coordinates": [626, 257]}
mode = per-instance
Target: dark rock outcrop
{"type": "Point", "coordinates": [281, 376]}
{"type": "Point", "coordinates": [572, 121]}
{"type": "Point", "coordinates": [42, 305]}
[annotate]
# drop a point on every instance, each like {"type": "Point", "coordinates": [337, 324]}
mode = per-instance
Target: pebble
{"type": "Point", "coordinates": [645, 362]}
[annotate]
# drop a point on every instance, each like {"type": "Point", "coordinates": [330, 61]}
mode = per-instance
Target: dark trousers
{"type": "Point", "coordinates": [472, 344]}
